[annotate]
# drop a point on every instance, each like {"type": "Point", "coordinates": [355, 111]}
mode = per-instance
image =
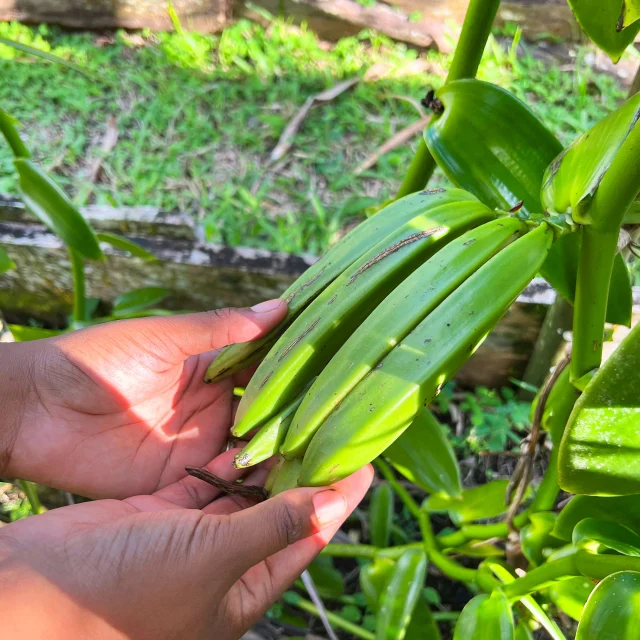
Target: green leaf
{"type": "Point", "coordinates": [599, 20]}
{"type": "Point", "coordinates": [523, 632]}
{"type": "Point", "coordinates": [381, 515]}
{"type": "Point", "coordinates": [122, 243]}
{"type": "Point", "coordinates": [601, 536]}
{"type": "Point", "coordinates": [503, 165]}
{"type": "Point", "coordinates": [424, 455]}
{"type": "Point", "coordinates": [630, 13]}
{"type": "Point", "coordinates": [613, 609]}
{"type": "Point", "coordinates": [401, 595]}
{"type": "Point", "coordinates": [571, 181]}
{"type": "Point", "coordinates": [486, 617]}
{"type": "Point", "coordinates": [9, 129]}
{"type": "Point", "coordinates": [485, 501]}
{"type": "Point", "coordinates": [600, 451]}
{"type": "Point", "coordinates": [6, 263]}
{"type": "Point", "coordinates": [500, 164]}
{"type": "Point", "coordinates": [26, 334]}
{"type": "Point", "coordinates": [571, 595]}
{"type": "Point", "coordinates": [328, 580]}
{"type": "Point", "coordinates": [622, 509]}
{"type": "Point", "coordinates": [422, 625]}
{"type": "Point", "coordinates": [45, 200]}
{"type": "Point", "coordinates": [50, 57]}
{"type": "Point", "coordinates": [138, 299]}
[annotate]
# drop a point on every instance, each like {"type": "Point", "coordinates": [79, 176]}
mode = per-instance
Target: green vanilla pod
{"type": "Point", "coordinates": [374, 578]}
{"type": "Point", "coordinates": [612, 611]}
{"type": "Point", "coordinates": [425, 457]}
{"type": "Point", "coordinates": [384, 404]}
{"type": "Point", "coordinates": [486, 616]}
{"type": "Point", "coordinates": [401, 595]}
{"type": "Point", "coordinates": [285, 476]}
{"type": "Point", "coordinates": [316, 278]}
{"type": "Point", "coordinates": [313, 338]}
{"type": "Point", "coordinates": [381, 515]}
{"type": "Point", "coordinates": [267, 441]}
{"type": "Point", "coordinates": [393, 319]}
{"type": "Point", "coordinates": [599, 451]}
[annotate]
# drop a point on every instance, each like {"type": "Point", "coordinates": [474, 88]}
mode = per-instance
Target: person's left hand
{"type": "Point", "coordinates": [182, 563]}
{"type": "Point", "coordinates": [119, 409]}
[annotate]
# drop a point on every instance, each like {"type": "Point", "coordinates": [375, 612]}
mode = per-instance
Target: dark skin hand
{"type": "Point", "coordinates": [117, 411]}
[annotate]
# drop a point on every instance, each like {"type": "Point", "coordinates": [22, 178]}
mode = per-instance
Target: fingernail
{"type": "Point", "coordinates": [269, 305]}
{"type": "Point", "coordinates": [329, 507]}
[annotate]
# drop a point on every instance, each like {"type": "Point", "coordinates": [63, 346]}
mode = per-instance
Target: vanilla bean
{"type": "Point", "coordinates": [252, 492]}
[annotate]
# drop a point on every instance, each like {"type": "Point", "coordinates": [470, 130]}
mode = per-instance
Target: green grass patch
{"type": "Point", "coordinates": [198, 115]}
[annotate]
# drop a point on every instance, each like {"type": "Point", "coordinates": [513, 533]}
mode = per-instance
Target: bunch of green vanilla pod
{"type": "Point", "coordinates": [375, 328]}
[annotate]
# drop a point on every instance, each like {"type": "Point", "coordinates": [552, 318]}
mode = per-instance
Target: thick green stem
{"type": "Point", "coordinates": [449, 567]}
{"type": "Point", "coordinates": [466, 59]}
{"type": "Point", "coordinates": [470, 532]}
{"type": "Point", "coordinates": [592, 291]}
{"type": "Point", "coordinates": [548, 490]}
{"type": "Point", "coordinates": [540, 577]}
{"type": "Point", "coordinates": [31, 492]}
{"type": "Point", "coordinates": [599, 566]}
{"type": "Point", "coordinates": [79, 292]}
{"type": "Point", "coordinates": [336, 620]}
{"type": "Point", "coordinates": [367, 550]}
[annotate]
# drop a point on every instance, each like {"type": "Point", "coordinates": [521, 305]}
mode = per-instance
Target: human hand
{"type": "Point", "coordinates": [119, 409]}
{"type": "Point", "coordinates": [182, 563]}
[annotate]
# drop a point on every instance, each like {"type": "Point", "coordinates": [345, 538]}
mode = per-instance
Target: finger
{"type": "Point", "coordinates": [279, 522]}
{"type": "Point", "coordinates": [278, 572]}
{"type": "Point", "coordinates": [173, 339]}
{"type": "Point", "coordinates": [191, 493]}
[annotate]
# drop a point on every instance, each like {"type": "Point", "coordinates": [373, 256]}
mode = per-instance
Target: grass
{"type": "Point", "coordinates": [197, 116]}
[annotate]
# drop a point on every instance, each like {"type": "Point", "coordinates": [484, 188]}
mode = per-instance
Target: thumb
{"type": "Point", "coordinates": [273, 525]}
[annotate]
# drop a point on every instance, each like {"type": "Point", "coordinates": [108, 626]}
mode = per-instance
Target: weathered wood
{"type": "Point", "coordinates": [206, 16]}
{"type": "Point", "coordinates": [331, 19]}
{"type": "Point", "coordinates": [205, 276]}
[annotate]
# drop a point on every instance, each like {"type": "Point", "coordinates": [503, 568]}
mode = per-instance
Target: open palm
{"type": "Point", "coordinates": [119, 409]}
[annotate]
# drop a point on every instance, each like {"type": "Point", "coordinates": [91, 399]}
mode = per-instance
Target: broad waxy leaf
{"type": "Point", "coordinates": [600, 450]}
{"type": "Point", "coordinates": [572, 179]}
{"type": "Point", "coordinates": [138, 299]}
{"type": "Point", "coordinates": [401, 595]}
{"type": "Point", "coordinates": [571, 595]}
{"type": "Point", "coordinates": [45, 200]}
{"type": "Point", "coordinates": [600, 536]}
{"type": "Point", "coordinates": [381, 515]}
{"type": "Point", "coordinates": [124, 244]}
{"type": "Point", "coordinates": [424, 456]}
{"type": "Point", "coordinates": [503, 165]}
{"type": "Point", "coordinates": [599, 19]}
{"type": "Point", "coordinates": [612, 611]}
{"type": "Point", "coordinates": [6, 263]}
{"type": "Point", "coordinates": [485, 617]}
{"type": "Point", "coordinates": [624, 510]}
{"type": "Point", "coordinates": [485, 501]}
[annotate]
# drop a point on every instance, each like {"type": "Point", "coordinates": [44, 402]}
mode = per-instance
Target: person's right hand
{"type": "Point", "coordinates": [183, 563]}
